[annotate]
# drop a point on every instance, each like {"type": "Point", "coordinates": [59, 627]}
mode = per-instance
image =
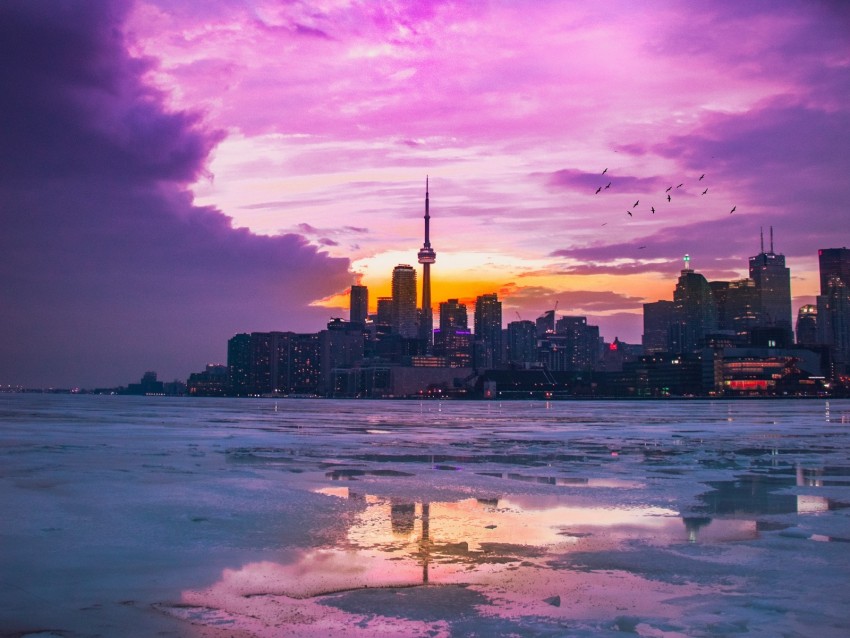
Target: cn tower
{"type": "Point", "coordinates": [427, 256]}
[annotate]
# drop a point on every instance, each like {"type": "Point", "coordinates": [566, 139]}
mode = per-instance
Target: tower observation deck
{"type": "Point", "coordinates": [427, 256]}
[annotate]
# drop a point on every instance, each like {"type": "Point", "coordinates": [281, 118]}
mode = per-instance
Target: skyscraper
{"type": "Point", "coordinates": [522, 342]}
{"type": "Point", "coordinates": [404, 312]}
{"type": "Point", "coordinates": [453, 339]}
{"type": "Point", "coordinates": [833, 262]}
{"type": "Point", "coordinates": [807, 325]}
{"type": "Point", "coordinates": [427, 256]}
{"type": "Point", "coordinates": [488, 328]}
{"type": "Point", "coordinates": [695, 315]}
{"type": "Point", "coordinates": [358, 305]}
{"type": "Point", "coordinates": [833, 305]}
{"type": "Point", "coordinates": [773, 288]}
{"type": "Point", "coordinates": [657, 319]}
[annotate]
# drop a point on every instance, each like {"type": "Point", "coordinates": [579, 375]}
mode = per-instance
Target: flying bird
{"type": "Point", "coordinates": [700, 177]}
{"type": "Point", "coordinates": [669, 189]}
{"type": "Point", "coordinates": [668, 198]}
{"type": "Point", "coordinates": [641, 247]}
{"type": "Point", "coordinates": [605, 171]}
{"type": "Point", "coordinates": [629, 213]}
{"type": "Point", "coordinates": [705, 191]}
{"type": "Point", "coordinates": [597, 190]}
{"type": "Point", "coordinates": [733, 210]}
{"type": "Point", "coordinates": [680, 185]}
{"type": "Point", "coordinates": [636, 203]}
{"type": "Point", "coordinates": [604, 223]}
{"type": "Point", "coordinates": [652, 208]}
{"type": "Point", "coordinates": [608, 185]}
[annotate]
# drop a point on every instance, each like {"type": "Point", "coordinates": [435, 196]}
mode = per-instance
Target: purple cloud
{"type": "Point", "coordinates": [108, 268]}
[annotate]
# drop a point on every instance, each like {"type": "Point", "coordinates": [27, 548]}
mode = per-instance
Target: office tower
{"type": "Point", "coordinates": [453, 339]}
{"type": "Point", "coordinates": [358, 306]}
{"type": "Point", "coordinates": [833, 262]}
{"type": "Point", "coordinates": [833, 305]}
{"type": "Point", "coordinates": [488, 329]}
{"type": "Point", "coordinates": [384, 314]}
{"type": "Point", "coordinates": [833, 322]}
{"type": "Point", "coordinates": [580, 342]}
{"type": "Point", "coordinates": [807, 325]}
{"type": "Point", "coordinates": [657, 319]}
{"type": "Point", "coordinates": [742, 307]}
{"type": "Point", "coordinates": [427, 256]}
{"type": "Point", "coordinates": [404, 313]}
{"type": "Point", "coordinates": [522, 342]}
{"type": "Point", "coordinates": [773, 285]}
{"type": "Point", "coordinates": [238, 362]}
{"type": "Point", "coordinates": [695, 315]}
{"type": "Point", "coordinates": [545, 323]}
{"type": "Point", "coordinates": [453, 316]}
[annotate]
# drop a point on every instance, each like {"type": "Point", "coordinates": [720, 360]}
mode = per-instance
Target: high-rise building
{"type": "Point", "coordinates": [427, 256]}
{"type": "Point", "coordinates": [453, 316]}
{"type": "Point", "coordinates": [358, 306]}
{"type": "Point", "coordinates": [384, 313]}
{"type": "Point", "coordinates": [833, 306]}
{"type": "Point", "coordinates": [545, 323]}
{"type": "Point", "coordinates": [488, 329]}
{"type": "Point", "coordinates": [404, 313]}
{"type": "Point", "coordinates": [453, 339]}
{"type": "Point", "coordinates": [807, 325]}
{"type": "Point", "coordinates": [833, 323]}
{"type": "Point", "coordinates": [833, 262]}
{"type": "Point", "coordinates": [657, 319]}
{"type": "Point", "coordinates": [522, 342]}
{"type": "Point", "coordinates": [695, 313]}
{"type": "Point", "coordinates": [580, 342]}
{"type": "Point", "coordinates": [773, 287]}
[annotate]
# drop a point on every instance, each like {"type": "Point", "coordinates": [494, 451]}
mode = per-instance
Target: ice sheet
{"type": "Point", "coordinates": [138, 516]}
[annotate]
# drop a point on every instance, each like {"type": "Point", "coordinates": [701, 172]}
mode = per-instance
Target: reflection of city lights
{"type": "Point", "coordinates": [808, 504]}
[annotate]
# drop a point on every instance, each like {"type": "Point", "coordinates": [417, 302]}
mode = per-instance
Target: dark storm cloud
{"type": "Point", "coordinates": [108, 269]}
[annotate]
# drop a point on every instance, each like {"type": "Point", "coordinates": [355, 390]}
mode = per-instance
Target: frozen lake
{"type": "Point", "coordinates": [139, 516]}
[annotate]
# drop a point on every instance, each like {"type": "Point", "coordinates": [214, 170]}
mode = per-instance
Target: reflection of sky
{"type": "Point", "coordinates": [482, 532]}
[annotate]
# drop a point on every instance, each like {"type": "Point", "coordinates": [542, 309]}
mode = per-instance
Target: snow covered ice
{"type": "Point", "coordinates": [141, 516]}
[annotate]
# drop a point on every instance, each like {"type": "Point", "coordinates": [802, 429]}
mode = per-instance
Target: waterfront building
{"type": "Point", "coordinates": [453, 340]}
{"type": "Point", "coordinates": [773, 287]}
{"type": "Point", "coordinates": [579, 341]}
{"type": "Point", "coordinates": [545, 323]}
{"type": "Point", "coordinates": [807, 325]}
{"type": "Point", "coordinates": [404, 312]}
{"type": "Point", "coordinates": [833, 263]}
{"type": "Point", "coordinates": [488, 329]}
{"type": "Point", "coordinates": [384, 312]}
{"type": "Point", "coordinates": [833, 323]}
{"type": "Point", "coordinates": [358, 306]}
{"type": "Point", "coordinates": [522, 343]}
{"type": "Point", "coordinates": [657, 319]}
{"type": "Point", "coordinates": [695, 315]}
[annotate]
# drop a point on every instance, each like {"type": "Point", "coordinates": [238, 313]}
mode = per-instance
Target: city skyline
{"type": "Point", "coordinates": [175, 173]}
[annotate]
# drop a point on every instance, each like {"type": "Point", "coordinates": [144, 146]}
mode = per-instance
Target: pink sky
{"type": "Point", "coordinates": [335, 112]}
{"type": "Point", "coordinates": [311, 126]}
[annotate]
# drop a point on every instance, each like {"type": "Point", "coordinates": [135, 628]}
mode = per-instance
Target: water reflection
{"type": "Point", "coordinates": [449, 538]}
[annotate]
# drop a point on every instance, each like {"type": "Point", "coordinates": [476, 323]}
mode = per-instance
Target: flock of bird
{"type": "Point", "coordinates": [666, 193]}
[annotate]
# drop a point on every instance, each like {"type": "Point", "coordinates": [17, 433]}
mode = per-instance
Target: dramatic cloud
{"type": "Point", "coordinates": [108, 268]}
{"type": "Point", "coordinates": [310, 123]}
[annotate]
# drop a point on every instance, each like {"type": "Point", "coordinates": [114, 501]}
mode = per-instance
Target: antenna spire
{"type": "Point", "coordinates": [427, 217]}
{"type": "Point", "coordinates": [771, 240]}
{"type": "Point", "coordinates": [761, 235]}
